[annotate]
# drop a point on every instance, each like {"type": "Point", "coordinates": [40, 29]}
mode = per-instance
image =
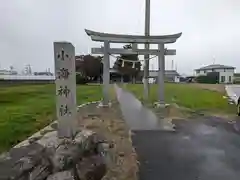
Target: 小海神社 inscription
{"type": "Point", "coordinates": [64, 55]}
{"type": "Point", "coordinates": [63, 91]}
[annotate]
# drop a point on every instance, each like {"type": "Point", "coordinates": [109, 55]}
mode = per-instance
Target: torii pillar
{"type": "Point", "coordinates": [106, 75]}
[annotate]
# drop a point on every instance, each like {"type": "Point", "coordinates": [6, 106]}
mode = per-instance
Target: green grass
{"type": "Point", "coordinates": [25, 109]}
{"type": "Point", "coordinates": [188, 96]}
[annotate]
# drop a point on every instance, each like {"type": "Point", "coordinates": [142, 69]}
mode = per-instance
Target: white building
{"type": "Point", "coordinates": [170, 75]}
{"type": "Point", "coordinates": [226, 73]}
{"type": "Point", "coordinates": [7, 72]}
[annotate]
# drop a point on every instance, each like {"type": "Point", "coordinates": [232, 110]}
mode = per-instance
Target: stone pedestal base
{"type": "Point", "coordinates": [104, 106]}
{"type": "Point", "coordinates": [160, 105]}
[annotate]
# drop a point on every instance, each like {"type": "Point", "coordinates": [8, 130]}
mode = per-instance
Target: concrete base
{"type": "Point", "coordinates": [103, 105]}
{"type": "Point", "coordinates": [161, 105]}
{"type": "Point", "coordinates": [86, 104]}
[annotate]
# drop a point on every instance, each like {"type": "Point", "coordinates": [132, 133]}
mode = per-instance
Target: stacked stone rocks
{"type": "Point", "coordinates": [50, 158]}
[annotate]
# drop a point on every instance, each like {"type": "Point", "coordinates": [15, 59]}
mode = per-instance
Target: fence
{"type": "Point", "coordinates": [25, 79]}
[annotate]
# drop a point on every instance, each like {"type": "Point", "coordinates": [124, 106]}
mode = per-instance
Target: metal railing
{"type": "Point", "coordinates": [26, 77]}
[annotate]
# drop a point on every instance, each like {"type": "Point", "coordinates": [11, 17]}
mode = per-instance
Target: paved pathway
{"type": "Point", "coordinates": [233, 91]}
{"type": "Point", "coordinates": [136, 115]}
{"type": "Point", "coordinates": [199, 149]}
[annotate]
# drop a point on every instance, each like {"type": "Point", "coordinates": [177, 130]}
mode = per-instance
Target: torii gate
{"type": "Point", "coordinates": [134, 39]}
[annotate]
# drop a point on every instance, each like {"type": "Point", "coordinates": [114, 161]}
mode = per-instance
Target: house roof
{"type": "Point", "coordinates": [171, 72]}
{"type": "Point", "coordinates": [215, 66]}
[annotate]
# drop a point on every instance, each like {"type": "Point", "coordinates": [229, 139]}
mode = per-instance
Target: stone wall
{"type": "Point", "coordinates": [45, 157]}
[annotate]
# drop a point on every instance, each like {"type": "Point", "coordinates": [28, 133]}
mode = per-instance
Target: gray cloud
{"type": "Point", "coordinates": [29, 27]}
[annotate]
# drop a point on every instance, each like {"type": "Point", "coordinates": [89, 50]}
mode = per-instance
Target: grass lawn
{"type": "Point", "coordinates": [189, 96]}
{"type": "Point", "coordinates": [25, 109]}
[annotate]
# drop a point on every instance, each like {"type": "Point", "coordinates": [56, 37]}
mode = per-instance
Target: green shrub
{"type": "Point", "coordinates": [81, 80]}
{"type": "Point", "coordinates": [205, 79]}
{"type": "Point", "coordinates": [210, 78]}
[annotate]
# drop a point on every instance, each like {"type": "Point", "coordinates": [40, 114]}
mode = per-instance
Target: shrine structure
{"type": "Point", "coordinates": [107, 38]}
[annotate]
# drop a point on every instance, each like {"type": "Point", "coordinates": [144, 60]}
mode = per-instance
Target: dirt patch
{"type": "Point", "coordinates": [173, 111]}
{"type": "Point", "coordinates": [213, 87]}
{"type": "Point", "coordinates": [123, 164]}
{"type": "Point", "coordinates": [227, 117]}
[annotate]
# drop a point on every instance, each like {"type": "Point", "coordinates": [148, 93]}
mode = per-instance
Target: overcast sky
{"type": "Point", "coordinates": [211, 29]}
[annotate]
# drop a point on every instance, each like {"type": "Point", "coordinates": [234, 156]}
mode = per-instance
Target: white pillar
{"type": "Point", "coordinates": [134, 46]}
{"type": "Point", "coordinates": [66, 105]}
{"type": "Point", "coordinates": [134, 79]}
{"type": "Point", "coordinates": [161, 74]}
{"type": "Point", "coordinates": [106, 74]}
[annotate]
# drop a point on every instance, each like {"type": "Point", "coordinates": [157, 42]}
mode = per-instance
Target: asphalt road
{"type": "Point", "coordinates": [203, 149]}
{"type": "Point", "coordinates": [235, 89]}
{"type": "Point", "coordinates": [199, 149]}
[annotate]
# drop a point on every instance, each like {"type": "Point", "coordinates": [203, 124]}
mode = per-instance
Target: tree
{"type": "Point", "coordinates": [125, 67]}
{"type": "Point", "coordinates": [90, 67]}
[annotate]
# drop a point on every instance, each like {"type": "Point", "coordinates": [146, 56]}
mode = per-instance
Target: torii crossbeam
{"type": "Point", "coordinates": [121, 38]}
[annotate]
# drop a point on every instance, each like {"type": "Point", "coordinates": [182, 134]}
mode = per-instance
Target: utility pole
{"type": "Point", "coordinates": [146, 57]}
{"type": "Point", "coordinates": [214, 59]}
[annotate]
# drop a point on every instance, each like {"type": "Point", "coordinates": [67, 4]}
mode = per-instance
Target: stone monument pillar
{"type": "Point", "coordinates": [66, 105]}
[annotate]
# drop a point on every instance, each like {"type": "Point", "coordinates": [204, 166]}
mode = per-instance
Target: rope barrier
{"type": "Point", "coordinates": [127, 60]}
{"type": "Point", "coordinates": [132, 60]}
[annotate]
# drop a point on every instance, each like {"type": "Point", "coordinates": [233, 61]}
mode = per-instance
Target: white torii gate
{"type": "Point", "coordinates": [134, 39]}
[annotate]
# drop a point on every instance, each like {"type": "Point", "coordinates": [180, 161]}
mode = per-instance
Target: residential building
{"type": "Point", "coordinates": [225, 73]}
{"type": "Point", "coordinates": [170, 75]}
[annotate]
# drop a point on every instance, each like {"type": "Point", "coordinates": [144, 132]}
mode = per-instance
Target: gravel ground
{"type": "Point", "coordinates": [108, 122]}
